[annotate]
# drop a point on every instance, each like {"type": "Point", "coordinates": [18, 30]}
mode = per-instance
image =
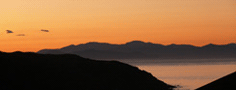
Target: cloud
{"type": "Point", "coordinates": [9, 31]}
{"type": "Point", "coordinates": [20, 35]}
{"type": "Point", "coordinates": [44, 30]}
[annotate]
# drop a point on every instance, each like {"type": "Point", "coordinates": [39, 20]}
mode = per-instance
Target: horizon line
{"type": "Point", "coordinates": [120, 44]}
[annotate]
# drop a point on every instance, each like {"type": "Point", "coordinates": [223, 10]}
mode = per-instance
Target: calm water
{"type": "Point", "coordinates": [190, 75]}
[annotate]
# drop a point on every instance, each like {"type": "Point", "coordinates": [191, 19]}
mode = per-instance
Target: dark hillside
{"type": "Point", "coordinates": [30, 71]}
{"type": "Point", "coordinates": [224, 83]}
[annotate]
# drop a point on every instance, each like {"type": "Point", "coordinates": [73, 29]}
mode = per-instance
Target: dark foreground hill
{"type": "Point", "coordinates": [30, 71]}
{"type": "Point", "coordinates": [224, 83]}
{"type": "Point", "coordinates": [143, 50]}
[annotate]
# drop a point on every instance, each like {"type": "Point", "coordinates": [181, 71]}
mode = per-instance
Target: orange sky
{"type": "Point", "coordinates": [196, 22]}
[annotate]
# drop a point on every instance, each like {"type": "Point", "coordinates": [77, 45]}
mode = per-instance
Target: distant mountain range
{"type": "Point", "coordinates": [143, 50]}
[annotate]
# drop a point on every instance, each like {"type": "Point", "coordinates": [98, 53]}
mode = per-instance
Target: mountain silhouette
{"type": "Point", "coordinates": [31, 71]}
{"type": "Point", "coordinates": [224, 83]}
{"type": "Point", "coordinates": [142, 50]}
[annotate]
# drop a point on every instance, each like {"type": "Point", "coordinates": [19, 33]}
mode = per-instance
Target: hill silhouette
{"type": "Point", "coordinates": [31, 71]}
{"type": "Point", "coordinates": [142, 50]}
{"type": "Point", "coordinates": [224, 83]}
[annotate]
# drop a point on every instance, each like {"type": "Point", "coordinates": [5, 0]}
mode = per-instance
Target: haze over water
{"type": "Point", "coordinates": [188, 75]}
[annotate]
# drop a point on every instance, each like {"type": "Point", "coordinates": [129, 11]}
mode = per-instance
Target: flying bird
{"type": "Point", "coordinates": [44, 30]}
{"type": "Point", "coordinates": [9, 31]}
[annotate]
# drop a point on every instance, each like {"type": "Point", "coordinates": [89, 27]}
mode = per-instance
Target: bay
{"type": "Point", "coordinates": [187, 75]}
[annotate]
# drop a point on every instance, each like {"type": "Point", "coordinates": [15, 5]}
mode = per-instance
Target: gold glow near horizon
{"type": "Point", "coordinates": [196, 22]}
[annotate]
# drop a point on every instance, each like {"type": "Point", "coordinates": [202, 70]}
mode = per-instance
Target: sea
{"type": "Point", "coordinates": [186, 74]}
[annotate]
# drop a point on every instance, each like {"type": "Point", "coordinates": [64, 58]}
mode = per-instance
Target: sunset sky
{"type": "Point", "coordinates": [196, 22]}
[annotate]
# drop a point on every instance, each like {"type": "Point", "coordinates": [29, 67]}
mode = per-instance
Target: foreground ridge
{"type": "Point", "coordinates": [224, 83]}
{"type": "Point", "coordinates": [31, 71]}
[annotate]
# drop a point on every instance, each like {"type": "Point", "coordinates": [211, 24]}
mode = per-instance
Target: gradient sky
{"type": "Point", "coordinates": [196, 22]}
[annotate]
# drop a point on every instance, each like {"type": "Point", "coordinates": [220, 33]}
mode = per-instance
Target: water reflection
{"type": "Point", "coordinates": [188, 75]}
